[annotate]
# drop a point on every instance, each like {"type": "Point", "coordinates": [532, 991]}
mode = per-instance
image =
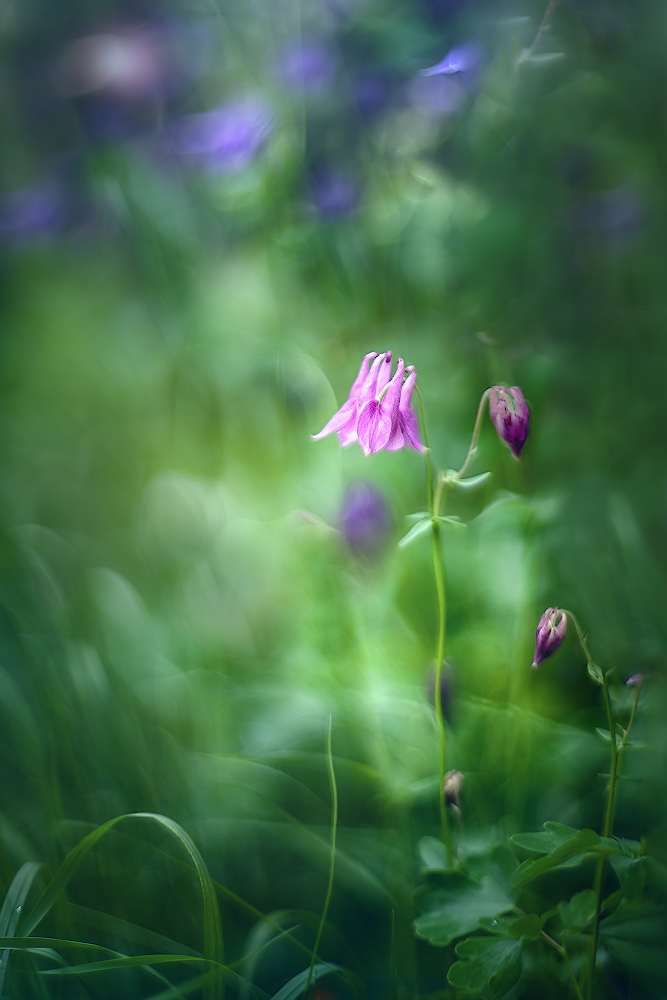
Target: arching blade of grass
{"type": "Point", "coordinates": [334, 825]}
{"type": "Point", "coordinates": [47, 948]}
{"type": "Point", "coordinates": [213, 944]}
{"type": "Point", "coordinates": [11, 909]}
{"type": "Point", "coordinates": [303, 980]}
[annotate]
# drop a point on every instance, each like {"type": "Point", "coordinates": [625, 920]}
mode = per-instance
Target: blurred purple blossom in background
{"type": "Point", "coordinates": [616, 214]}
{"type": "Point", "coordinates": [442, 89]}
{"type": "Point", "coordinates": [32, 213]}
{"type": "Point", "coordinates": [463, 59]}
{"type": "Point", "coordinates": [333, 193]}
{"type": "Point", "coordinates": [129, 65]}
{"type": "Point", "coordinates": [364, 518]}
{"type": "Point", "coordinates": [307, 66]}
{"type": "Point", "coordinates": [227, 138]}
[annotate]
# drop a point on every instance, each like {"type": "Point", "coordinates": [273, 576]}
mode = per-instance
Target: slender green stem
{"type": "Point", "coordinates": [439, 571]}
{"type": "Point", "coordinates": [334, 825]}
{"type": "Point", "coordinates": [560, 948]}
{"type": "Point", "coordinates": [608, 825]}
{"type": "Point", "coordinates": [566, 957]}
{"type": "Point", "coordinates": [475, 434]}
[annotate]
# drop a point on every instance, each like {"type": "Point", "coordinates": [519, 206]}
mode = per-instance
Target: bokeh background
{"type": "Point", "coordinates": [210, 211]}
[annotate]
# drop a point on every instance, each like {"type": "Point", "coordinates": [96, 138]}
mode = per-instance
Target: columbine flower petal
{"type": "Point", "coordinates": [406, 418]}
{"type": "Point", "coordinates": [378, 418]}
{"type": "Point", "coordinates": [345, 420]}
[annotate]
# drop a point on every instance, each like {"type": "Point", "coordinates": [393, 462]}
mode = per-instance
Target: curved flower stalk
{"type": "Point", "coordinates": [550, 633]}
{"type": "Point", "coordinates": [378, 412]}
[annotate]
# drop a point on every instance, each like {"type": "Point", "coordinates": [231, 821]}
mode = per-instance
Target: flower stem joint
{"type": "Point", "coordinates": [510, 415]}
{"type": "Point", "coordinates": [549, 634]}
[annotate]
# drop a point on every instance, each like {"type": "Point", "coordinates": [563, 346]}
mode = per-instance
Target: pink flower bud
{"type": "Point", "coordinates": [509, 412]}
{"type": "Point", "coordinates": [634, 680]}
{"type": "Point", "coordinates": [549, 634]}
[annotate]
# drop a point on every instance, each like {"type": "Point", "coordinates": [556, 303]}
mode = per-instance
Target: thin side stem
{"type": "Point", "coordinates": [334, 826]}
{"type": "Point", "coordinates": [608, 825]}
{"type": "Point", "coordinates": [440, 586]}
{"type": "Point", "coordinates": [527, 53]}
{"type": "Point", "coordinates": [560, 948]}
{"type": "Point", "coordinates": [475, 434]}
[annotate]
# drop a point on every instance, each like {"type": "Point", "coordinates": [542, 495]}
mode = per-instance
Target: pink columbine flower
{"type": "Point", "coordinates": [510, 415]}
{"type": "Point", "coordinates": [550, 633]}
{"type": "Point", "coordinates": [378, 411]}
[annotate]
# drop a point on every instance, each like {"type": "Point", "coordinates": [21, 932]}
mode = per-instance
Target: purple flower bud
{"type": "Point", "coordinates": [308, 67]}
{"type": "Point", "coordinates": [227, 138]}
{"type": "Point", "coordinates": [549, 634]}
{"type": "Point", "coordinates": [364, 518]}
{"type": "Point", "coordinates": [509, 412]}
{"type": "Point", "coordinates": [454, 785]}
{"type": "Point", "coordinates": [634, 680]}
{"type": "Point", "coordinates": [334, 194]}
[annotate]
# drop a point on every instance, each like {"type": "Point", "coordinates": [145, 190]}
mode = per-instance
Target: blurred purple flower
{"type": "Point", "coordinates": [634, 680]}
{"type": "Point", "coordinates": [228, 137]}
{"type": "Point", "coordinates": [437, 95]}
{"type": "Point", "coordinates": [549, 634]}
{"type": "Point", "coordinates": [129, 65]}
{"type": "Point", "coordinates": [364, 518]}
{"type": "Point", "coordinates": [32, 212]}
{"type": "Point", "coordinates": [510, 415]}
{"type": "Point", "coordinates": [617, 214]}
{"type": "Point", "coordinates": [307, 66]}
{"type": "Point", "coordinates": [334, 194]}
{"type": "Point", "coordinates": [371, 93]}
{"type": "Point", "coordinates": [463, 59]}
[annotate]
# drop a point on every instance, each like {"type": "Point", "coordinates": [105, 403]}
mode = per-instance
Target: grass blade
{"type": "Point", "coordinates": [213, 944]}
{"type": "Point", "coordinates": [11, 909]}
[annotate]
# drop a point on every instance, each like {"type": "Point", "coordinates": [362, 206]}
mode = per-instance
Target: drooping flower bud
{"type": "Point", "coordinates": [510, 416]}
{"type": "Point", "coordinates": [549, 634]}
{"type": "Point", "coordinates": [634, 680]}
{"type": "Point", "coordinates": [454, 785]}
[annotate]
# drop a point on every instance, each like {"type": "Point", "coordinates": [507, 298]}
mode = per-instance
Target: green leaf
{"type": "Point", "coordinates": [419, 516]}
{"type": "Point", "coordinates": [594, 673]}
{"type": "Point", "coordinates": [579, 912]}
{"type": "Point", "coordinates": [415, 532]}
{"type": "Point", "coordinates": [432, 854]}
{"type": "Point", "coordinates": [12, 907]}
{"type": "Point", "coordinates": [213, 946]}
{"type": "Point", "coordinates": [544, 843]}
{"type": "Point", "coordinates": [497, 925]}
{"type": "Point", "coordinates": [296, 986]}
{"type": "Point", "coordinates": [471, 483]}
{"type": "Point", "coordinates": [529, 927]}
{"type": "Point", "coordinates": [611, 902]}
{"type": "Point", "coordinates": [631, 873]}
{"type": "Point", "coordinates": [491, 962]}
{"type": "Point", "coordinates": [456, 521]}
{"type": "Point", "coordinates": [582, 843]}
{"type": "Point", "coordinates": [455, 908]}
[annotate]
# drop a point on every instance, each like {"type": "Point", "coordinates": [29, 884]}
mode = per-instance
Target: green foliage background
{"type": "Point", "coordinates": [180, 614]}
